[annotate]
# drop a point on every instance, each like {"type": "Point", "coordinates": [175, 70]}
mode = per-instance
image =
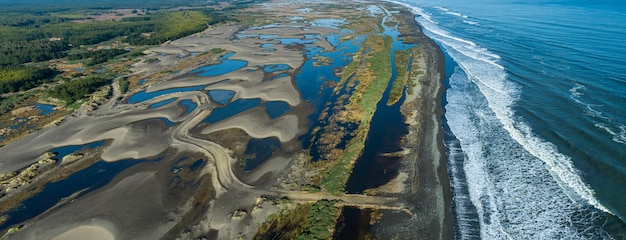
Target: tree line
{"type": "Point", "coordinates": [17, 52]}
{"type": "Point", "coordinates": [97, 57]}
{"type": "Point", "coordinates": [175, 25]}
{"type": "Point", "coordinates": [78, 89]}
{"type": "Point", "coordinates": [20, 78]}
{"type": "Point", "coordinates": [51, 41]}
{"type": "Point", "coordinates": [36, 32]}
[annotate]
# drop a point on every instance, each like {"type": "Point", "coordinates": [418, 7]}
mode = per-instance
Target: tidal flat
{"type": "Point", "coordinates": [265, 128]}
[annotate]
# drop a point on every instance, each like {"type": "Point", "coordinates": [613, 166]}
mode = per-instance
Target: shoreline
{"type": "Point", "coordinates": [434, 124]}
{"type": "Point", "coordinates": [432, 128]}
{"type": "Point", "coordinates": [427, 189]}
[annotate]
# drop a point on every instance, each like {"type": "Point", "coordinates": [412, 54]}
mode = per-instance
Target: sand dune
{"type": "Point", "coordinates": [256, 123]}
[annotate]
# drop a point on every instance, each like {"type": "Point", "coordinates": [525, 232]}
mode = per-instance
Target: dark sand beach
{"type": "Point", "coordinates": [427, 188]}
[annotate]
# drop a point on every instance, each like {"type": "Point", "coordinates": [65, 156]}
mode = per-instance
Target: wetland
{"type": "Point", "coordinates": [298, 120]}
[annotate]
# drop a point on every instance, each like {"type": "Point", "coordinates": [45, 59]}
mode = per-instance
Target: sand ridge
{"type": "Point", "coordinates": [258, 124]}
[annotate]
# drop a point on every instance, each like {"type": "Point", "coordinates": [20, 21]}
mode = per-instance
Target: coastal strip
{"type": "Point", "coordinates": [427, 190]}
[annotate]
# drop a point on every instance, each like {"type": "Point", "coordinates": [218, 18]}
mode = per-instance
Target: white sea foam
{"type": "Point", "coordinates": [455, 14]}
{"type": "Point", "coordinates": [471, 22]}
{"type": "Point", "coordinates": [441, 8]}
{"type": "Point", "coordinates": [472, 62]}
{"type": "Point", "coordinates": [447, 11]}
{"type": "Point", "coordinates": [621, 136]}
{"type": "Point", "coordinates": [480, 192]}
{"type": "Point", "coordinates": [512, 190]}
{"type": "Point", "coordinates": [616, 130]}
{"type": "Point", "coordinates": [575, 91]}
{"type": "Point", "coordinates": [467, 222]}
{"type": "Point", "coordinates": [515, 187]}
{"type": "Point", "coordinates": [618, 136]}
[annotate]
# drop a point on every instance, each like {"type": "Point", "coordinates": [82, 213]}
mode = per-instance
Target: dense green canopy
{"type": "Point", "coordinates": [18, 78]}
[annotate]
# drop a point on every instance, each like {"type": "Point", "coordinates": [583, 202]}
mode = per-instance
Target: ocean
{"type": "Point", "coordinates": [535, 115]}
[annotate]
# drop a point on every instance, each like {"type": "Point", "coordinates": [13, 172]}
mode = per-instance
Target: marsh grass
{"type": "Point", "coordinates": [372, 84]}
{"type": "Point", "coordinates": [402, 60]}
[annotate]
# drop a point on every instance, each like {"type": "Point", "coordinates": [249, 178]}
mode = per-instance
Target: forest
{"type": "Point", "coordinates": [44, 6]}
{"type": "Point", "coordinates": [19, 78]}
{"type": "Point", "coordinates": [98, 56]}
{"type": "Point", "coordinates": [41, 30]}
{"type": "Point", "coordinates": [25, 42]}
{"type": "Point", "coordinates": [78, 89]}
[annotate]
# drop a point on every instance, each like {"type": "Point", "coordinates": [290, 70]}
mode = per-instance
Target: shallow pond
{"type": "Point", "coordinates": [226, 66]}
{"type": "Point", "coordinates": [162, 103]}
{"type": "Point", "coordinates": [89, 179]}
{"type": "Point", "coordinates": [275, 67]}
{"type": "Point", "coordinates": [189, 105]}
{"type": "Point", "coordinates": [45, 109]}
{"type": "Point", "coordinates": [221, 96]}
{"type": "Point", "coordinates": [144, 96]}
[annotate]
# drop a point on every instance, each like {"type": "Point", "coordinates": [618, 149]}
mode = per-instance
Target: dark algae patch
{"type": "Point", "coordinates": [260, 150]}
{"type": "Point", "coordinates": [354, 223]}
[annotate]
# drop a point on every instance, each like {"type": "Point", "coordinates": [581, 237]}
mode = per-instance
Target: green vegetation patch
{"type": "Point", "coordinates": [286, 225]}
{"type": "Point", "coordinates": [402, 61]}
{"type": "Point", "coordinates": [350, 69]}
{"type": "Point", "coordinates": [8, 103]}
{"type": "Point", "coordinates": [173, 25]}
{"type": "Point", "coordinates": [97, 57]}
{"type": "Point", "coordinates": [216, 50]}
{"type": "Point", "coordinates": [16, 50]}
{"type": "Point", "coordinates": [380, 63]}
{"type": "Point", "coordinates": [124, 84]}
{"type": "Point", "coordinates": [37, 39]}
{"type": "Point", "coordinates": [367, 95]}
{"type": "Point", "coordinates": [323, 218]}
{"type": "Point", "coordinates": [415, 71]}
{"type": "Point", "coordinates": [19, 78]}
{"type": "Point", "coordinates": [78, 89]}
{"type": "Point", "coordinates": [305, 221]}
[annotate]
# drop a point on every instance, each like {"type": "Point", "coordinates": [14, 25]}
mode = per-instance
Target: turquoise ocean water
{"type": "Point", "coordinates": [535, 115]}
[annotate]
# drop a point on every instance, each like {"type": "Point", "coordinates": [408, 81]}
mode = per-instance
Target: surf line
{"type": "Point", "coordinates": [559, 165]}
